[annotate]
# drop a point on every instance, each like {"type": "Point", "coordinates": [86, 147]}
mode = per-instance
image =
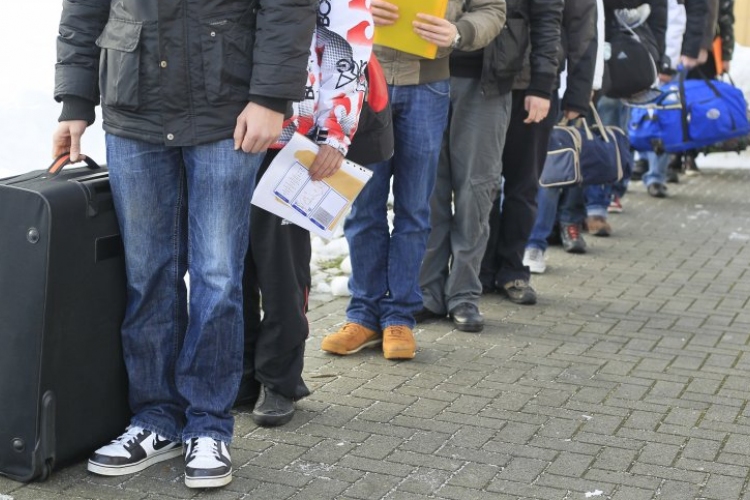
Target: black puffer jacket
{"type": "Point", "coordinates": [578, 50]}
{"type": "Point", "coordinates": [178, 72]}
{"type": "Point", "coordinates": [530, 41]}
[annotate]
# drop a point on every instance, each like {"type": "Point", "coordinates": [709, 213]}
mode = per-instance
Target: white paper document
{"type": "Point", "coordinates": [287, 190]}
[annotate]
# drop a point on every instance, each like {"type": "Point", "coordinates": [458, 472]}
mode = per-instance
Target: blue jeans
{"type": "Point", "coordinates": [384, 283]}
{"type": "Point", "coordinates": [597, 197]}
{"type": "Point", "coordinates": [183, 210]}
{"type": "Point", "coordinates": [555, 204]}
{"type": "Point", "coordinates": [612, 112]}
{"type": "Point", "coordinates": [657, 168]}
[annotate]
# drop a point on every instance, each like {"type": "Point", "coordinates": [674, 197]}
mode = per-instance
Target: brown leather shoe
{"type": "Point", "coordinates": [349, 339]}
{"type": "Point", "coordinates": [598, 226]}
{"type": "Point", "coordinates": [398, 342]}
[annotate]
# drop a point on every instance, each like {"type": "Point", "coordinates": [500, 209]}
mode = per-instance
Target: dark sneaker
{"type": "Point", "coordinates": [132, 452]}
{"type": "Point", "coordinates": [519, 292]}
{"type": "Point", "coordinates": [425, 314]}
{"type": "Point", "coordinates": [572, 241]}
{"type": "Point", "coordinates": [272, 408]}
{"type": "Point", "coordinates": [467, 318]}
{"type": "Point", "coordinates": [657, 190]}
{"type": "Point", "coordinates": [207, 463]}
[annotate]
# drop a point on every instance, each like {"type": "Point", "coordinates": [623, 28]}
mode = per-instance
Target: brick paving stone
{"type": "Point", "coordinates": [629, 377]}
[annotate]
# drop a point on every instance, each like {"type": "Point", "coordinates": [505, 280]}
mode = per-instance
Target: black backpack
{"type": "Point", "coordinates": [630, 68]}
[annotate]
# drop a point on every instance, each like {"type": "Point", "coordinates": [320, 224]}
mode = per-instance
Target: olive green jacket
{"type": "Point", "coordinates": [478, 24]}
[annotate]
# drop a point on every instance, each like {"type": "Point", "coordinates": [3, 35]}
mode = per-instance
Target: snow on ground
{"type": "Point", "coordinates": [28, 117]}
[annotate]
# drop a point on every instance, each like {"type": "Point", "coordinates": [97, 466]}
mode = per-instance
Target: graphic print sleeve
{"type": "Point", "coordinates": [343, 47]}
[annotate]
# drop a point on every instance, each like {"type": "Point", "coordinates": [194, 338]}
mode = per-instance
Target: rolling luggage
{"type": "Point", "coordinates": [63, 386]}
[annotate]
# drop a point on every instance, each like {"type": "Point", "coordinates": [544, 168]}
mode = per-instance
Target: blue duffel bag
{"type": "Point", "coordinates": [581, 154]}
{"type": "Point", "coordinates": [689, 114]}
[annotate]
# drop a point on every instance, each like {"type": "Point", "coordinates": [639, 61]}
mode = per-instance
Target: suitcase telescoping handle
{"type": "Point", "coordinates": [64, 159]}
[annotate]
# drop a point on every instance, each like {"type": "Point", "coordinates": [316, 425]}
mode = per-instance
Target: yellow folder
{"type": "Point", "coordinates": [401, 36]}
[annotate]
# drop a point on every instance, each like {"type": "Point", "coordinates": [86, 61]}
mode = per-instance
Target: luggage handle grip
{"type": "Point", "coordinates": [64, 159]}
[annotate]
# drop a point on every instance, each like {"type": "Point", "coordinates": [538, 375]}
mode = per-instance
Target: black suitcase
{"type": "Point", "coordinates": [63, 386]}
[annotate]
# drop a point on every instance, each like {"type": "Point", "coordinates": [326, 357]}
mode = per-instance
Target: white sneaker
{"type": "Point", "coordinates": [533, 258]}
{"type": "Point", "coordinates": [632, 18]}
{"type": "Point", "coordinates": [207, 463]}
{"type": "Point", "coordinates": [132, 452]}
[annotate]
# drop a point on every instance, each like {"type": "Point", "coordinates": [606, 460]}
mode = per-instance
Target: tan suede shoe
{"type": "Point", "coordinates": [398, 342]}
{"type": "Point", "coordinates": [349, 339]}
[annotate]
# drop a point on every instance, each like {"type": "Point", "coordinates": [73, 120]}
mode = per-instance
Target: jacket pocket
{"type": "Point", "coordinates": [227, 46]}
{"type": "Point", "coordinates": [508, 51]}
{"type": "Point", "coordinates": [119, 63]}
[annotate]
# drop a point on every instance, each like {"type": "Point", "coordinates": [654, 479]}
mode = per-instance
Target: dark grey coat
{"type": "Point", "coordinates": [179, 72]}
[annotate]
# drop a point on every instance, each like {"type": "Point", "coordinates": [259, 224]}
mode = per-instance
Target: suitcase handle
{"type": "Point", "coordinates": [64, 159]}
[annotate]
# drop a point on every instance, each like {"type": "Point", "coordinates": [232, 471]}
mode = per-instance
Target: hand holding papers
{"type": "Point", "coordinates": [287, 190]}
{"type": "Point", "coordinates": [395, 29]}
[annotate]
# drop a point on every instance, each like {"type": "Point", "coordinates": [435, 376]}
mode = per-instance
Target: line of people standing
{"type": "Point", "coordinates": [193, 94]}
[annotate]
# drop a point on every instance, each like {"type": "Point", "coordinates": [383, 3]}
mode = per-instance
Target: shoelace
{"type": "Point", "coordinates": [131, 434]}
{"type": "Point", "coordinates": [518, 284]}
{"type": "Point", "coordinates": [205, 447]}
{"type": "Point", "coordinates": [399, 332]}
{"type": "Point", "coordinates": [535, 254]}
{"type": "Point", "coordinates": [573, 232]}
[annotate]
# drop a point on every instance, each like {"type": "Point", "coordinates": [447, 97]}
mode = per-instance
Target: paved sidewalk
{"type": "Point", "coordinates": [627, 381]}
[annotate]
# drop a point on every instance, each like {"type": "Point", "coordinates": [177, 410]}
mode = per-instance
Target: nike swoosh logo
{"type": "Point", "coordinates": [161, 443]}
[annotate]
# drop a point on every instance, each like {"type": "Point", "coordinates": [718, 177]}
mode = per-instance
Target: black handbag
{"type": "Point", "coordinates": [373, 141]}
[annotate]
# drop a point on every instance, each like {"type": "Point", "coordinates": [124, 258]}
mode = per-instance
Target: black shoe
{"type": "Point", "coordinates": [572, 241]}
{"type": "Point", "coordinates": [640, 167]}
{"type": "Point", "coordinates": [657, 190]}
{"type": "Point", "coordinates": [425, 314]}
{"type": "Point", "coordinates": [132, 452]}
{"type": "Point", "coordinates": [519, 292]}
{"type": "Point", "coordinates": [467, 318]}
{"type": "Point", "coordinates": [207, 463]}
{"type": "Point", "coordinates": [272, 408]}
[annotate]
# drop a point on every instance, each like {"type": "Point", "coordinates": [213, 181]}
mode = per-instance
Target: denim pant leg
{"type": "Point", "coordinates": [220, 183]}
{"type": "Point", "coordinates": [657, 168]}
{"type": "Point", "coordinates": [148, 188]}
{"type": "Point", "coordinates": [572, 206]}
{"type": "Point", "coordinates": [385, 267]}
{"type": "Point", "coordinates": [597, 198]}
{"type": "Point", "coordinates": [467, 183]}
{"type": "Point", "coordinates": [547, 200]}
{"type": "Point", "coordinates": [367, 233]}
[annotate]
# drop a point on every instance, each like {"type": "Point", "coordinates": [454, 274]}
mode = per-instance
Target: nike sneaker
{"type": "Point", "coordinates": [132, 452]}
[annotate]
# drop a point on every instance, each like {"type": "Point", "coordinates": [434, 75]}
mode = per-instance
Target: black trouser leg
{"type": "Point", "coordinates": [279, 261]}
{"type": "Point", "coordinates": [523, 158]}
